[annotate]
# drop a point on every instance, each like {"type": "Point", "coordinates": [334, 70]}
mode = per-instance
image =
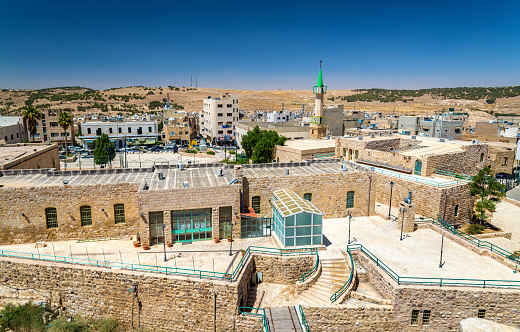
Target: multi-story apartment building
{"type": "Point", "coordinates": [12, 129]}
{"type": "Point", "coordinates": [180, 127]}
{"type": "Point", "coordinates": [218, 118]}
{"type": "Point", "coordinates": [134, 132]}
{"type": "Point", "coordinates": [48, 130]}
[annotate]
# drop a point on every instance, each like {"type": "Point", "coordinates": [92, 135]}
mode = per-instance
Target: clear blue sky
{"type": "Point", "coordinates": [259, 46]}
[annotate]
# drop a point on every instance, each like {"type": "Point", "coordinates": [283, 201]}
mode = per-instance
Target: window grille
{"type": "Point", "coordinates": [481, 313]}
{"type": "Point", "coordinates": [119, 213]}
{"type": "Point", "coordinates": [51, 217]}
{"type": "Point", "coordinates": [426, 317]}
{"type": "Point", "coordinates": [256, 204]}
{"type": "Point", "coordinates": [86, 215]}
{"type": "Point", "coordinates": [415, 318]}
{"type": "Point", "coordinates": [350, 199]}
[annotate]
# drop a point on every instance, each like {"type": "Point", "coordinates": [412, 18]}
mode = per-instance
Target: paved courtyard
{"type": "Point", "coordinates": [418, 255]}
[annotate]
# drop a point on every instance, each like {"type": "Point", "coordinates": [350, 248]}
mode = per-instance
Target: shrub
{"type": "Point", "coordinates": [211, 153]}
{"type": "Point", "coordinates": [191, 151]}
{"type": "Point", "coordinates": [63, 324]}
{"type": "Point", "coordinates": [106, 325]}
{"type": "Point", "coordinates": [474, 229]}
{"type": "Point", "coordinates": [27, 317]}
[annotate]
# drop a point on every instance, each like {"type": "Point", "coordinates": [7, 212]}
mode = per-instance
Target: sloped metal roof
{"type": "Point", "coordinates": [288, 203]}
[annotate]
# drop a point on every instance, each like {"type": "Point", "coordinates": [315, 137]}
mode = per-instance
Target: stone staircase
{"type": "Point", "coordinates": [284, 319]}
{"type": "Point", "coordinates": [334, 274]}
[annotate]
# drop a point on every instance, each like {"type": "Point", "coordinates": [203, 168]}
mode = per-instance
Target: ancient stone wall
{"type": "Point", "coordinates": [189, 198]}
{"type": "Point", "coordinates": [283, 270]}
{"type": "Point", "coordinates": [351, 318]}
{"type": "Point", "coordinates": [160, 303]}
{"type": "Point", "coordinates": [501, 160]}
{"type": "Point", "coordinates": [23, 219]}
{"type": "Point", "coordinates": [465, 162]}
{"type": "Point", "coordinates": [329, 192]}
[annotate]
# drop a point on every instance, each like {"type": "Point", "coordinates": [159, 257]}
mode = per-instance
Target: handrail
{"type": "Point", "coordinates": [452, 174]}
{"type": "Point", "coordinates": [307, 274]}
{"type": "Point", "coordinates": [266, 327]}
{"type": "Point", "coordinates": [343, 288]}
{"type": "Point", "coordinates": [160, 269]}
{"type": "Point", "coordinates": [303, 320]}
{"type": "Point", "coordinates": [479, 243]}
{"type": "Point", "coordinates": [434, 281]}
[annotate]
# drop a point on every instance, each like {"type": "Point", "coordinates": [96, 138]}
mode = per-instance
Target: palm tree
{"type": "Point", "coordinates": [31, 116]}
{"type": "Point", "coordinates": [64, 120]}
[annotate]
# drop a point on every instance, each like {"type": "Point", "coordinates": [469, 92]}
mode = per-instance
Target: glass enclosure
{"type": "Point", "coordinates": [191, 225]}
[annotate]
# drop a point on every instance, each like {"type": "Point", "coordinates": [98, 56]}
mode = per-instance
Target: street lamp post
{"type": "Point", "coordinates": [231, 242]}
{"type": "Point", "coordinates": [349, 220]}
{"type": "Point", "coordinates": [402, 224]}
{"type": "Point", "coordinates": [442, 246]}
{"type": "Point", "coordinates": [390, 204]}
{"type": "Point", "coordinates": [164, 240]}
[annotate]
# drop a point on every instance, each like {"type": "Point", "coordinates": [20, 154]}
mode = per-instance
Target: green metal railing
{"type": "Point", "coordinates": [266, 327]}
{"type": "Point", "coordinates": [453, 175]}
{"type": "Point", "coordinates": [479, 243]}
{"type": "Point", "coordinates": [343, 288]}
{"type": "Point", "coordinates": [303, 320]}
{"type": "Point", "coordinates": [434, 281]}
{"type": "Point", "coordinates": [162, 269]}
{"type": "Point", "coordinates": [417, 179]}
{"type": "Point", "coordinates": [307, 274]}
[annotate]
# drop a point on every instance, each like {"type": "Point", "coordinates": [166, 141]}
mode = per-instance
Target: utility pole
{"type": "Point", "coordinates": [442, 246]}
{"type": "Point", "coordinates": [191, 81]}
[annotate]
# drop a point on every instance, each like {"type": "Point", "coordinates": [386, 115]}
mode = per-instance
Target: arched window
{"type": "Point", "coordinates": [345, 153]}
{"type": "Point", "coordinates": [51, 217]}
{"type": "Point", "coordinates": [307, 197]}
{"type": "Point", "coordinates": [481, 157]}
{"type": "Point", "coordinates": [356, 154]}
{"type": "Point", "coordinates": [86, 215]}
{"type": "Point", "coordinates": [255, 202]}
{"type": "Point", "coordinates": [456, 210]}
{"type": "Point", "coordinates": [119, 213]}
{"type": "Point", "coordinates": [350, 199]}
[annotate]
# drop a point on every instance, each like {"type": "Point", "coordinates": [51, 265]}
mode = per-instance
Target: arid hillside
{"type": "Point", "coordinates": [142, 99]}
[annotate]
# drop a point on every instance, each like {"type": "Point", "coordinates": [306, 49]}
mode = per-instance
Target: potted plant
{"type": "Point", "coordinates": [146, 246]}
{"type": "Point", "coordinates": [138, 237]}
{"type": "Point", "coordinates": [216, 239]}
{"type": "Point", "coordinates": [229, 239]}
{"type": "Point", "coordinates": [243, 252]}
{"type": "Point", "coordinates": [137, 244]}
{"type": "Point", "coordinates": [169, 243]}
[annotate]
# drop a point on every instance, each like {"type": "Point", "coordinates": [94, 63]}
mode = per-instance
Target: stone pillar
{"type": "Point", "coordinates": [214, 221]}
{"type": "Point", "coordinates": [406, 216]}
{"type": "Point", "coordinates": [168, 228]}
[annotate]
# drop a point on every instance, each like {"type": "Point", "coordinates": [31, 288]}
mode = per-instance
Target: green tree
{"type": "Point", "coordinates": [489, 191]}
{"type": "Point", "coordinates": [259, 144]}
{"type": "Point", "coordinates": [31, 116]}
{"type": "Point", "coordinates": [65, 120]}
{"type": "Point", "coordinates": [105, 151]}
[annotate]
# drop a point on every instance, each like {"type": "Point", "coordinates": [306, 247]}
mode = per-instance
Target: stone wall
{"type": "Point", "coordinates": [47, 157]}
{"type": "Point", "coordinates": [501, 160]}
{"type": "Point", "coordinates": [329, 192]}
{"type": "Point", "coordinates": [429, 200]}
{"type": "Point", "coordinates": [351, 318]}
{"type": "Point", "coordinates": [189, 198]}
{"type": "Point", "coordinates": [283, 270]}
{"type": "Point", "coordinates": [161, 303]}
{"type": "Point", "coordinates": [465, 162]}
{"type": "Point", "coordinates": [22, 212]}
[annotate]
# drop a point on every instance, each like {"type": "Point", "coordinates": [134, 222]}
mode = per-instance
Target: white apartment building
{"type": "Point", "coordinates": [134, 132]}
{"type": "Point", "coordinates": [278, 117]}
{"type": "Point", "coordinates": [219, 115]}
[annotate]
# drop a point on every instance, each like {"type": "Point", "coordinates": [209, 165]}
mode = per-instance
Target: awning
{"type": "Point", "coordinates": [248, 213]}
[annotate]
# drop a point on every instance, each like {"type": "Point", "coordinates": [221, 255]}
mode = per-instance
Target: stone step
{"type": "Point", "coordinates": [313, 299]}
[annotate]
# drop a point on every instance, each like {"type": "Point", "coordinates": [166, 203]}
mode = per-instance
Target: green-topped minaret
{"type": "Point", "coordinates": [319, 121]}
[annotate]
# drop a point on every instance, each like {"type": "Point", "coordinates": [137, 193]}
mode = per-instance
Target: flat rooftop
{"type": "Point", "coordinates": [311, 144]}
{"type": "Point", "coordinates": [9, 153]}
{"type": "Point", "coordinates": [429, 148]}
{"type": "Point", "coordinates": [74, 178]}
{"type": "Point", "coordinates": [197, 177]}
{"type": "Point", "coordinates": [305, 169]}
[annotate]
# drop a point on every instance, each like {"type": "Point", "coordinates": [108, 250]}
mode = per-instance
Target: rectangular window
{"type": "Point", "coordinates": [221, 132]}
{"type": "Point", "coordinates": [219, 105]}
{"type": "Point", "coordinates": [219, 114]}
{"type": "Point", "coordinates": [255, 204]}
{"type": "Point", "coordinates": [149, 129]}
{"type": "Point", "coordinates": [230, 114]}
{"type": "Point", "coordinates": [481, 313]}
{"type": "Point", "coordinates": [120, 130]}
{"type": "Point", "coordinates": [119, 213]}
{"type": "Point", "coordinates": [51, 217]}
{"type": "Point", "coordinates": [426, 317]}
{"type": "Point", "coordinates": [110, 130]}
{"type": "Point", "coordinates": [89, 131]}
{"type": "Point", "coordinates": [307, 197]}
{"type": "Point", "coordinates": [229, 105]}
{"type": "Point", "coordinates": [129, 130]}
{"type": "Point", "coordinates": [224, 222]}
{"type": "Point", "coordinates": [156, 222]}
{"type": "Point", "coordinates": [350, 199]}
{"type": "Point", "coordinates": [86, 215]}
{"type": "Point", "coordinates": [415, 318]}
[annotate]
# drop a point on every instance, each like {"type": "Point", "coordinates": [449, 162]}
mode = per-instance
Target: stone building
{"type": "Point", "coordinates": [12, 129]}
{"type": "Point", "coordinates": [304, 149]}
{"type": "Point", "coordinates": [29, 156]}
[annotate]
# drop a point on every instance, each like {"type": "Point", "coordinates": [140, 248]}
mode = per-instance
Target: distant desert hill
{"type": "Point", "coordinates": [137, 100]}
